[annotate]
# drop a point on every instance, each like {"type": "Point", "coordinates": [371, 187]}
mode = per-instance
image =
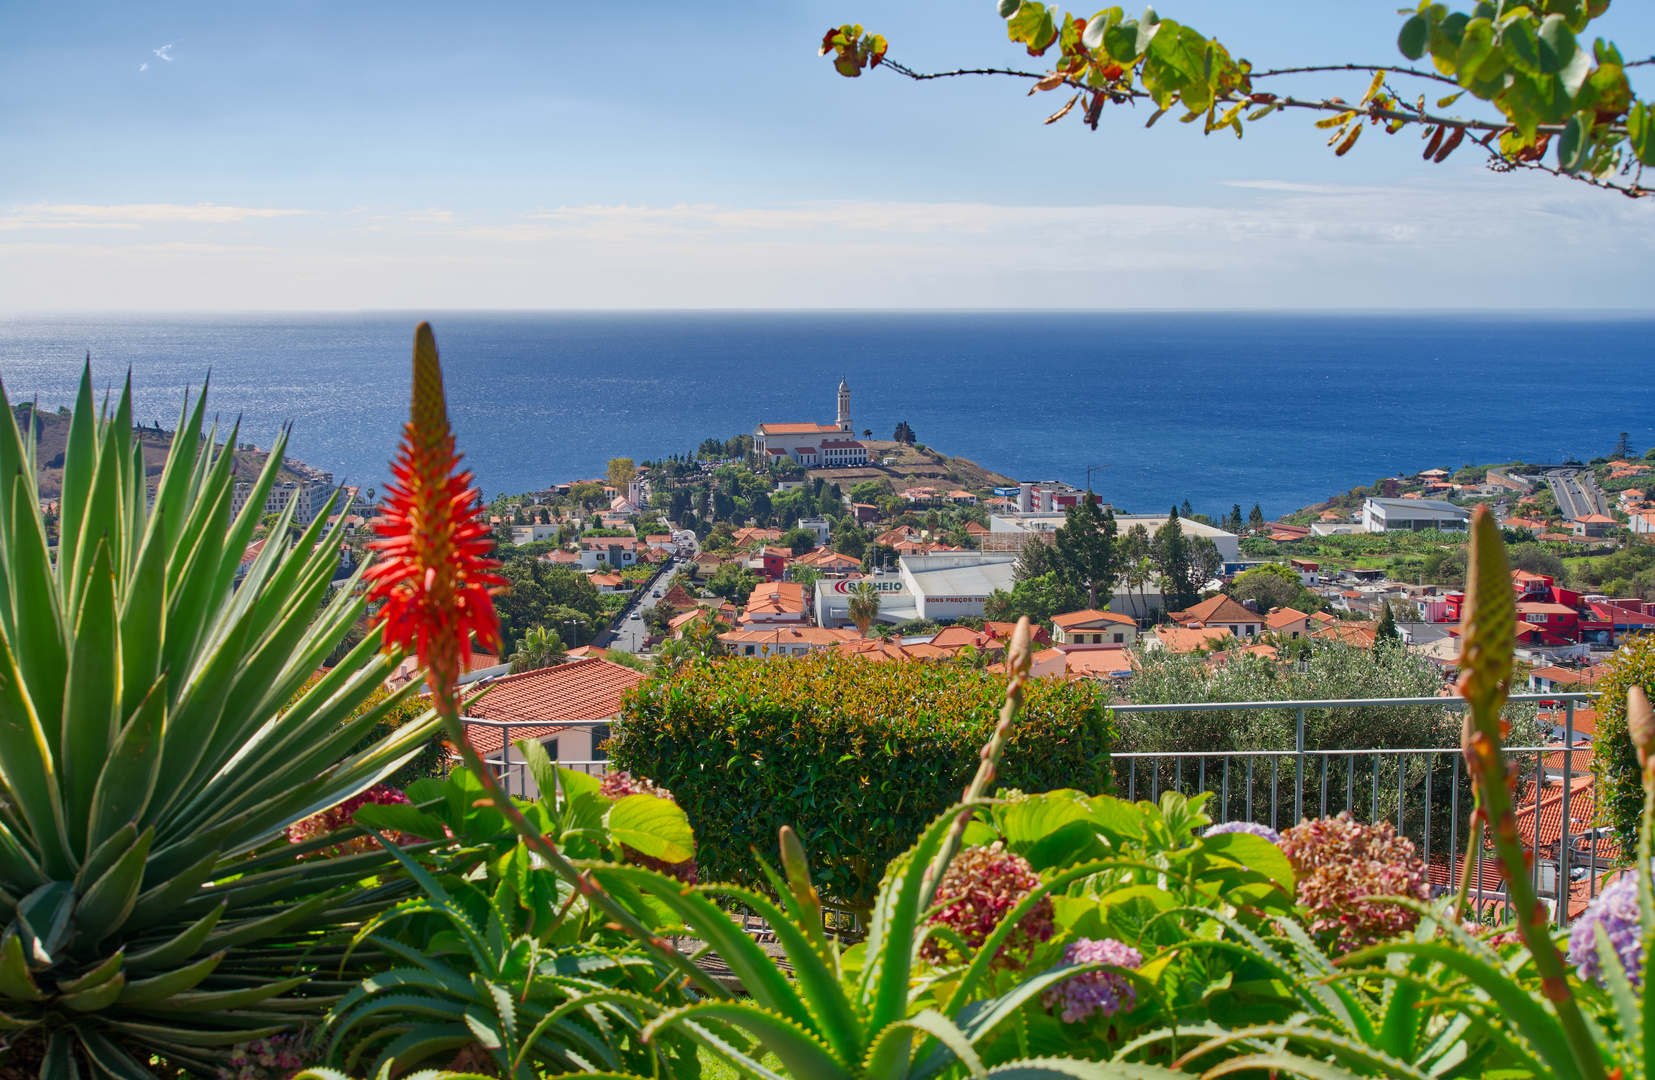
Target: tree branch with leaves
{"type": "Point", "coordinates": [1542, 86]}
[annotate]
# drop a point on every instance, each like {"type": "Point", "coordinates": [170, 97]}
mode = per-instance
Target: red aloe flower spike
{"type": "Point", "coordinates": [434, 573]}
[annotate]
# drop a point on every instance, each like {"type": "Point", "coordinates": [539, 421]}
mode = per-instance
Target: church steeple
{"type": "Point", "coordinates": [844, 404]}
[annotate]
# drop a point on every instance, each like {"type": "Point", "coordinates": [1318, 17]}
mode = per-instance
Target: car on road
{"type": "Point", "coordinates": [656, 593]}
{"type": "Point", "coordinates": [634, 615]}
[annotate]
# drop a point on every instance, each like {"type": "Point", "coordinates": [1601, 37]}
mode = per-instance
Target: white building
{"type": "Point", "coordinates": [818, 525]}
{"type": "Point", "coordinates": [608, 552]}
{"type": "Point", "coordinates": [531, 534]}
{"type": "Point", "coordinates": [942, 585]}
{"type": "Point", "coordinates": [1395, 515]}
{"type": "Point", "coordinates": [307, 498]}
{"type": "Point", "coordinates": [813, 444]}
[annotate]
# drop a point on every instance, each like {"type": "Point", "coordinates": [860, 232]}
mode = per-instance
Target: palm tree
{"type": "Point", "coordinates": [540, 648]}
{"type": "Point", "coordinates": [864, 605]}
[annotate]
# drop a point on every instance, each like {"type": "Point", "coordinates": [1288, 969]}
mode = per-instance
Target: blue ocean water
{"type": "Point", "coordinates": [1216, 408]}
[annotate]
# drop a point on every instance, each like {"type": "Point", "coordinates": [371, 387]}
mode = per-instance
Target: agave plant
{"type": "Point", "coordinates": [151, 762]}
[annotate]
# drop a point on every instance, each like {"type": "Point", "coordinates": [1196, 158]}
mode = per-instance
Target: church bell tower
{"type": "Point", "coordinates": [844, 405]}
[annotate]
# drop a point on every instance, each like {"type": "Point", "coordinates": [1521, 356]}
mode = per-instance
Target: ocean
{"type": "Point", "coordinates": [1216, 408]}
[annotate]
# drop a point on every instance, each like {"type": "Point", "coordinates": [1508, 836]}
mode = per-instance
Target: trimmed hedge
{"type": "Point", "coordinates": [1620, 791]}
{"type": "Point", "coordinates": [856, 755]}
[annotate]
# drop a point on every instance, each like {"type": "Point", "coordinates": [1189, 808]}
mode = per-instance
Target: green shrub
{"type": "Point", "coordinates": [856, 756]}
{"type": "Point", "coordinates": [1620, 783]}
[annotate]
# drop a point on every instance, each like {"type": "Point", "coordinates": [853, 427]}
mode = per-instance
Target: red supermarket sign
{"type": "Point", "coordinates": [888, 586]}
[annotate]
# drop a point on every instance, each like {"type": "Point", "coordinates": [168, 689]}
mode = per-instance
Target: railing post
{"type": "Point", "coordinates": [1249, 787]}
{"type": "Point", "coordinates": [1275, 789]}
{"type": "Point", "coordinates": [1564, 858]}
{"type": "Point", "coordinates": [1454, 822]}
{"type": "Point", "coordinates": [1298, 786]}
{"type": "Point", "coordinates": [1224, 806]}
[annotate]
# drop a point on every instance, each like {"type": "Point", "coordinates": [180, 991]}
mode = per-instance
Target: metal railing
{"type": "Point", "coordinates": [1425, 790]}
{"type": "Point", "coordinates": [1422, 788]}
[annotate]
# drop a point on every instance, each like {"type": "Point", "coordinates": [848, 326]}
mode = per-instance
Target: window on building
{"type": "Point", "coordinates": [600, 735]}
{"type": "Point", "coordinates": [1119, 638]}
{"type": "Point", "coordinates": [749, 650]}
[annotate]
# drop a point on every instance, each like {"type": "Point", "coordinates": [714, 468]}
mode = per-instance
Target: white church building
{"type": "Point", "coordinates": [813, 445]}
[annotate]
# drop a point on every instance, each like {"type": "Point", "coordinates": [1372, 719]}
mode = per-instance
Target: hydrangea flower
{"type": "Point", "coordinates": [1340, 862]}
{"type": "Point", "coordinates": [980, 888]}
{"type": "Point", "coordinates": [618, 785]}
{"type": "Point", "coordinates": [338, 817]}
{"type": "Point", "coordinates": [276, 1057]}
{"type": "Point", "coordinates": [1251, 827]}
{"type": "Point", "coordinates": [1616, 908]}
{"type": "Point", "coordinates": [1108, 992]}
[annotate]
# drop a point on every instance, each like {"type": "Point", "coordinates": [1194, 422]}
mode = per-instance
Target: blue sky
{"type": "Point", "coordinates": [548, 155]}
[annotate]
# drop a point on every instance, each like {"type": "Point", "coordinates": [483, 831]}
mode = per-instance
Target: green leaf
{"type": "Point", "coordinates": [399, 817]}
{"type": "Point", "coordinates": [1254, 852]}
{"type": "Point", "coordinates": [1475, 46]}
{"type": "Point", "coordinates": [656, 827]}
{"type": "Point", "coordinates": [1571, 148]}
{"type": "Point", "coordinates": [106, 905]}
{"type": "Point", "coordinates": [1051, 1068]}
{"type": "Point", "coordinates": [1412, 40]}
{"type": "Point", "coordinates": [127, 779]}
{"type": "Point", "coordinates": [16, 983]}
{"type": "Point", "coordinates": [163, 986]}
{"type": "Point", "coordinates": [800, 1051]}
{"type": "Point", "coordinates": [98, 998]}
{"type": "Point", "coordinates": [1556, 44]}
{"type": "Point", "coordinates": [1520, 44]}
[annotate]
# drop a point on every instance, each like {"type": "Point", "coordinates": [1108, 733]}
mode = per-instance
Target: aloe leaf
{"type": "Point", "coordinates": [100, 523]}
{"type": "Point", "coordinates": [1368, 1058]}
{"type": "Point", "coordinates": [97, 999]}
{"type": "Point", "coordinates": [143, 621]}
{"type": "Point", "coordinates": [163, 986]}
{"type": "Point", "coordinates": [155, 1032]}
{"type": "Point", "coordinates": [59, 1062]}
{"type": "Point", "coordinates": [16, 981]}
{"type": "Point", "coordinates": [127, 778]}
{"type": "Point", "coordinates": [888, 1055]}
{"type": "Point", "coordinates": [80, 461]}
{"type": "Point", "coordinates": [1527, 1014]}
{"type": "Point", "coordinates": [43, 917]}
{"type": "Point", "coordinates": [157, 905]}
{"type": "Point", "coordinates": [257, 929]}
{"type": "Point", "coordinates": [897, 911]}
{"type": "Point", "coordinates": [757, 972]}
{"type": "Point", "coordinates": [90, 708]}
{"type": "Point", "coordinates": [836, 1020]}
{"type": "Point", "coordinates": [1309, 1068]}
{"type": "Point", "coordinates": [803, 1055]}
{"type": "Point", "coordinates": [99, 975]}
{"type": "Point", "coordinates": [1077, 1069]}
{"type": "Point", "coordinates": [108, 1057]}
{"type": "Point", "coordinates": [1625, 999]}
{"type": "Point", "coordinates": [198, 1001]}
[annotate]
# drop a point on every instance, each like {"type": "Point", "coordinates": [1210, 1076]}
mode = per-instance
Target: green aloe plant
{"type": "Point", "coordinates": [151, 762]}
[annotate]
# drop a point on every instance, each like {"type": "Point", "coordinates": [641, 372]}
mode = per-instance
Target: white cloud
{"type": "Point", "coordinates": [1466, 240]}
{"type": "Point", "coordinates": [130, 215]}
{"type": "Point", "coordinates": [164, 52]}
{"type": "Point", "coordinates": [144, 66]}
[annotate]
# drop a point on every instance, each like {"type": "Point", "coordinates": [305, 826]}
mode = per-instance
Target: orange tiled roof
{"type": "Point", "coordinates": [872, 649]}
{"type": "Point", "coordinates": [1089, 616]}
{"type": "Point", "coordinates": [1180, 639]}
{"type": "Point", "coordinates": [1218, 609]}
{"type": "Point", "coordinates": [1362, 635]}
{"type": "Point", "coordinates": [819, 636]}
{"type": "Point", "coordinates": [798, 429]}
{"type": "Point", "coordinates": [549, 699]}
{"type": "Point", "coordinates": [1099, 663]}
{"type": "Point", "coordinates": [777, 598]}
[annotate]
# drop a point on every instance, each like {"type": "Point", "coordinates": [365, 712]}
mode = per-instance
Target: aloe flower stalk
{"type": "Point", "coordinates": [437, 582]}
{"type": "Point", "coordinates": [1488, 640]}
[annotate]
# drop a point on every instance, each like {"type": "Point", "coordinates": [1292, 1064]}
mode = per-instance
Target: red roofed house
{"type": "Point", "coordinates": [1179, 639]}
{"type": "Point", "coordinates": [771, 562]}
{"type": "Point", "coordinates": [566, 707]}
{"type": "Point", "coordinates": [783, 640]}
{"type": "Point", "coordinates": [1289, 621]}
{"type": "Point", "coordinates": [1222, 610]}
{"type": "Point", "coordinates": [776, 602]}
{"type": "Point", "coordinates": [1092, 627]}
{"type": "Point", "coordinates": [1593, 525]}
{"type": "Point", "coordinates": [1643, 521]}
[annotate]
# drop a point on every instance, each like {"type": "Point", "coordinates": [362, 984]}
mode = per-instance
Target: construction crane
{"type": "Point", "coordinates": [1089, 471]}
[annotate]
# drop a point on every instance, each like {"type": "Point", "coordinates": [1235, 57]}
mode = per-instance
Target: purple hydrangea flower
{"type": "Point", "coordinates": [1246, 827]}
{"type": "Point", "coordinates": [1107, 992]}
{"type": "Point", "coordinates": [1616, 908]}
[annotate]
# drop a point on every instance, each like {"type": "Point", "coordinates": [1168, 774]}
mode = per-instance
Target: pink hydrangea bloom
{"type": "Point", "coordinates": [1340, 862]}
{"type": "Point", "coordinates": [618, 785]}
{"type": "Point", "coordinates": [980, 888]}
{"type": "Point", "coordinates": [277, 1057]}
{"type": "Point", "coordinates": [338, 817]}
{"type": "Point", "coordinates": [1108, 992]}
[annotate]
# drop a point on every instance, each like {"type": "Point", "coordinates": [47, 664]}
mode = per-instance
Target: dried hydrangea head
{"type": "Point", "coordinates": [980, 888]}
{"type": "Point", "coordinates": [1616, 910]}
{"type": "Point", "coordinates": [338, 817]}
{"type": "Point", "coordinates": [618, 785]}
{"type": "Point", "coordinates": [1340, 863]}
{"type": "Point", "coordinates": [1252, 828]}
{"type": "Point", "coordinates": [1106, 992]}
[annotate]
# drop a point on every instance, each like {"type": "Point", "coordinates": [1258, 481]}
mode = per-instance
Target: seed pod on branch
{"type": "Point", "coordinates": [1640, 723]}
